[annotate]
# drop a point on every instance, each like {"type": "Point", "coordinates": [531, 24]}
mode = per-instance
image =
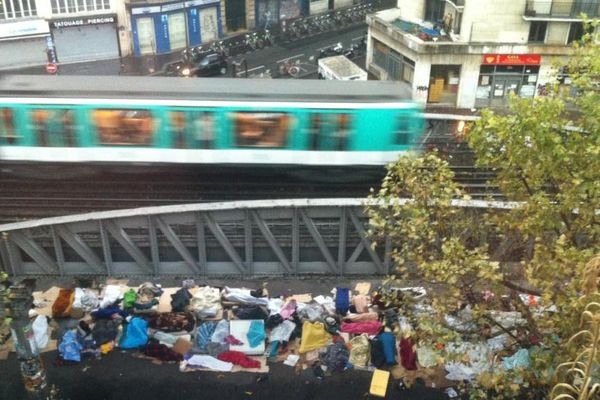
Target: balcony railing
{"type": "Point", "coordinates": [562, 9]}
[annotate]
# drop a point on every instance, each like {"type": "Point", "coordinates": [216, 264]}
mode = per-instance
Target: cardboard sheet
{"type": "Point", "coordinates": [363, 288]}
{"type": "Point", "coordinates": [300, 298]}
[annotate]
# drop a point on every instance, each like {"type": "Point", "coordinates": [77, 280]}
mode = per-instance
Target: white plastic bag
{"type": "Point", "coordinates": [40, 331]}
{"type": "Point", "coordinates": [283, 331]}
{"type": "Point", "coordinates": [221, 332]}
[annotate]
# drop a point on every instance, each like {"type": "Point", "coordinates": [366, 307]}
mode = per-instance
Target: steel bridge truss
{"type": "Point", "coordinates": [249, 238]}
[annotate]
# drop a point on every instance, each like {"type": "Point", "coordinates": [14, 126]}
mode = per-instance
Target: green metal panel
{"type": "Point", "coordinates": [373, 129]}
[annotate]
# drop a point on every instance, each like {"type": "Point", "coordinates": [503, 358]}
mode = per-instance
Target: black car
{"type": "Point", "coordinates": [211, 64]}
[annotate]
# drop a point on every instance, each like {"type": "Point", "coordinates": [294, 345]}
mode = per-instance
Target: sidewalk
{"type": "Point", "coordinates": [129, 65]}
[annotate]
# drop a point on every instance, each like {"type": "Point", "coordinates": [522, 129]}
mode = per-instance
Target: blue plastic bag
{"type": "Point", "coordinates": [136, 334]}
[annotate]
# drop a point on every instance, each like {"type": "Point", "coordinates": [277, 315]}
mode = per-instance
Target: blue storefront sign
{"type": "Point", "coordinates": [159, 14]}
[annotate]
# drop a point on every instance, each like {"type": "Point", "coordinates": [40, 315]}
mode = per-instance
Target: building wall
{"type": "Point", "coordinates": [412, 9]}
{"type": "Point", "coordinates": [494, 21]}
{"type": "Point", "coordinates": [506, 33]}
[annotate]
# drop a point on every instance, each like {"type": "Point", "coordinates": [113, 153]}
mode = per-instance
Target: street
{"type": "Point", "coordinates": [259, 62]}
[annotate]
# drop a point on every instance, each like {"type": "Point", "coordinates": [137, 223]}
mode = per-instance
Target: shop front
{"type": "Point", "coordinates": [23, 43]}
{"type": "Point", "coordinates": [85, 38]}
{"type": "Point", "coordinates": [169, 27]}
{"type": "Point", "coordinates": [501, 75]}
{"type": "Point", "coordinates": [273, 12]}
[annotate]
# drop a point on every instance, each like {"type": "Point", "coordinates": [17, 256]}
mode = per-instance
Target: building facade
{"type": "Point", "coordinates": [474, 53]}
{"type": "Point", "coordinates": [159, 28]}
{"type": "Point", "coordinates": [34, 32]}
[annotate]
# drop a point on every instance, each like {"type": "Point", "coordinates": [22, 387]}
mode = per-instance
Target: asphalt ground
{"type": "Point", "coordinates": [122, 375]}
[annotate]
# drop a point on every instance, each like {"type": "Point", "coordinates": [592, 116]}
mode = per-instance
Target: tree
{"type": "Point", "coordinates": [546, 156]}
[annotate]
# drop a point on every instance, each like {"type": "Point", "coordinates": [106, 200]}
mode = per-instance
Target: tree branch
{"type": "Point", "coordinates": [514, 286]}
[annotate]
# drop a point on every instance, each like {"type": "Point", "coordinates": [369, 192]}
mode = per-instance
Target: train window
{"type": "Point", "coordinates": [403, 131]}
{"type": "Point", "coordinates": [178, 128]}
{"type": "Point", "coordinates": [204, 129]}
{"type": "Point", "coordinates": [53, 127]}
{"type": "Point", "coordinates": [254, 129]}
{"type": "Point", "coordinates": [124, 127]}
{"type": "Point", "coordinates": [8, 134]}
{"type": "Point", "coordinates": [330, 131]}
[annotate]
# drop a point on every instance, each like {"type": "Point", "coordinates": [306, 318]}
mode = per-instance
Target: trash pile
{"type": "Point", "coordinates": [226, 329]}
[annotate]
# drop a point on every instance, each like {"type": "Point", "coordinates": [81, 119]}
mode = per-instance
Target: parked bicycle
{"type": "Point", "coordinates": [290, 68]}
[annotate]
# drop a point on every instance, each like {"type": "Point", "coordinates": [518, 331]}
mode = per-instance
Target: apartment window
{"type": "Point", "coordinates": [12, 9]}
{"type": "Point", "coordinates": [537, 31]}
{"type": "Point", "coordinates": [78, 6]}
{"type": "Point", "coordinates": [398, 67]}
{"type": "Point", "coordinates": [576, 32]}
{"type": "Point", "coordinates": [434, 10]}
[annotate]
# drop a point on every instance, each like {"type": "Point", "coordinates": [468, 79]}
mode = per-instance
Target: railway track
{"type": "Point", "coordinates": [31, 198]}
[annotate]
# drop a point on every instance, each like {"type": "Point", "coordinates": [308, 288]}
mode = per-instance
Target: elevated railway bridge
{"type": "Point", "coordinates": [238, 238]}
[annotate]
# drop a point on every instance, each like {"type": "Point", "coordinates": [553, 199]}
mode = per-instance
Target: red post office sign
{"type": "Point", "coordinates": [512, 59]}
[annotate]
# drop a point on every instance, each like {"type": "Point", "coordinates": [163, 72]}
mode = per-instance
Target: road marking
{"type": "Point", "coordinates": [289, 58]}
{"type": "Point", "coordinates": [250, 70]}
{"type": "Point", "coordinates": [357, 38]}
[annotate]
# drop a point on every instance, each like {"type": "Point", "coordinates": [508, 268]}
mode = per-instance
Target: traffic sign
{"type": "Point", "coordinates": [51, 68]}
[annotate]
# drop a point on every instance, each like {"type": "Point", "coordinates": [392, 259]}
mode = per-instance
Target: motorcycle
{"type": "Point", "coordinates": [253, 41]}
{"type": "Point", "coordinates": [331, 51]}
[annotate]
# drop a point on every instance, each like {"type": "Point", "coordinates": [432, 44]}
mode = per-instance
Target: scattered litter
{"type": "Point", "coordinates": [292, 360]}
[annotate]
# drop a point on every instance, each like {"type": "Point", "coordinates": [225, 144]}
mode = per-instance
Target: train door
{"type": "Point", "coordinates": [331, 131]}
{"type": "Point", "coordinates": [53, 126]}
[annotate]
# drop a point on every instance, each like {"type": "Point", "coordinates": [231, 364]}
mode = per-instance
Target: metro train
{"type": "Point", "coordinates": [152, 120]}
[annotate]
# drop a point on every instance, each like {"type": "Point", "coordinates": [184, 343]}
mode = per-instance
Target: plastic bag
{"type": "Point", "coordinates": [311, 311]}
{"type": "Point", "coordinates": [427, 356]}
{"type": "Point", "coordinates": [282, 332]}
{"type": "Point", "coordinates": [221, 332]}
{"type": "Point", "coordinates": [69, 347]}
{"type": "Point", "coordinates": [136, 334]}
{"type": "Point", "coordinates": [40, 331]}
{"type": "Point", "coordinates": [518, 360]}
{"type": "Point", "coordinates": [360, 353]}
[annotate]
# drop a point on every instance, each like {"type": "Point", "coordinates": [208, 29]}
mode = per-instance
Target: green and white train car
{"type": "Point", "coordinates": [88, 119]}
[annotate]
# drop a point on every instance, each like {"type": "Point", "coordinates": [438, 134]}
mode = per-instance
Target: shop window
{"type": "Point", "coordinates": [8, 133]}
{"type": "Point", "coordinates": [253, 129]}
{"type": "Point", "coordinates": [576, 32]}
{"type": "Point", "coordinates": [443, 84]}
{"type": "Point", "coordinates": [204, 128]}
{"type": "Point", "coordinates": [131, 127]}
{"type": "Point", "coordinates": [53, 127]}
{"type": "Point", "coordinates": [537, 31]}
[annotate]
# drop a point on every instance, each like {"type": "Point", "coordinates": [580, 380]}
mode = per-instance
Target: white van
{"type": "Point", "coordinates": [340, 68]}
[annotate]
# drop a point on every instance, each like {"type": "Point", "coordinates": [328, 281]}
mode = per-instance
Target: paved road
{"type": "Point", "coordinates": [120, 375]}
{"type": "Point", "coordinates": [258, 61]}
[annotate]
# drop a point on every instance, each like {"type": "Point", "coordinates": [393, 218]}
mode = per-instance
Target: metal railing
{"type": "Point", "coordinates": [562, 9]}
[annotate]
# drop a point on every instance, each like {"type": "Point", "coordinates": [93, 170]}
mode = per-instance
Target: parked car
{"type": "Point", "coordinates": [211, 64]}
